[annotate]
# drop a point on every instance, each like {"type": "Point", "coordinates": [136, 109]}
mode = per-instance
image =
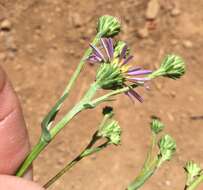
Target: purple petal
{"type": "Point", "coordinates": [94, 59]}
{"type": "Point", "coordinates": [97, 52]}
{"type": "Point", "coordinates": [111, 49]}
{"type": "Point", "coordinates": [123, 52]}
{"type": "Point", "coordinates": [134, 69]}
{"type": "Point", "coordinates": [139, 79]}
{"type": "Point", "coordinates": [139, 72]}
{"type": "Point", "coordinates": [133, 94]}
{"type": "Point", "coordinates": [127, 60]}
{"type": "Point", "coordinates": [108, 46]}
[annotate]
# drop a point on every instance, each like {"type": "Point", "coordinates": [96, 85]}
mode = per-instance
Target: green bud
{"type": "Point", "coordinates": [157, 126]}
{"type": "Point", "coordinates": [111, 131]}
{"type": "Point", "coordinates": [172, 67]}
{"type": "Point", "coordinates": [193, 170]}
{"type": "Point", "coordinates": [119, 47]}
{"type": "Point", "coordinates": [109, 76]}
{"type": "Point", "coordinates": [167, 147]}
{"type": "Point", "coordinates": [108, 26]}
{"type": "Point", "coordinates": [108, 110]}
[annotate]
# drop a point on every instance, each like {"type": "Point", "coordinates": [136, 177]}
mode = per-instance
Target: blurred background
{"type": "Point", "coordinates": [41, 42]}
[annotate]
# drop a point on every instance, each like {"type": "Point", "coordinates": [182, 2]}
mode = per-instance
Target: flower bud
{"type": "Point", "coordinates": [173, 67]}
{"type": "Point", "coordinates": [108, 26]}
{"type": "Point", "coordinates": [167, 147]}
{"type": "Point", "coordinates": [108, 111]}
{"type": "Point", "coordinates": [193, 170]}
{"type": "Point", "coordinates": [156, 126]}
{"type": "Point", "coordinates": [112, 132]}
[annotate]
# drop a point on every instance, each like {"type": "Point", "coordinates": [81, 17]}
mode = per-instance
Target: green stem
{"type": "Point", "coordinates": [76, 109]}
{"type": "Point", "coordinates": [87, 99]}
{"type": "Point", "coordinates": [157, 73]}
{"type": "Point", "coordinates": [85, 153]}
{"type": "Point", "coordinates": [145, 174]}
{"type": "Point", "coordinates": [81, 64]}
{"type": "Point", "coordinates": [32, 156]}
{"type": "Point", "coordinates": [55, 109]}
{"type": "Point", "coordinates": [150, 151]}
{"type": "Point", "coordinates": [196, 183]}
{"type": "Point", "coordinates": [57, 128]}
{"type": "Point", "coordinates": [110, 94]}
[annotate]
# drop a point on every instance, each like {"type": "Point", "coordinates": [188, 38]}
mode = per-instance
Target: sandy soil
{"type": "Point", "coordinates": [42, 45]}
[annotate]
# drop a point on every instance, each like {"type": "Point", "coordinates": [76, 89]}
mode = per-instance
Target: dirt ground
{"type": "Point", "coordinates": [41, 43]}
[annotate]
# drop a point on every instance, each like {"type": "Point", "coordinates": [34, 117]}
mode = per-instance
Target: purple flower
{"type": "Point", "coordinates": [105, 54]}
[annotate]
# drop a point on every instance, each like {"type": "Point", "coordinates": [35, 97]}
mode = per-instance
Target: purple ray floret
{"type": "Point", "coordinates": [108, 46]}
{"type": "Point", "coordinates": [139, 72]}
{"type": "Point", "coordinates": [97, 52]}
{"type": "Point", "coordinates": [127, 60]}
{"type": "Point", "coordinates": [132, 94]}
{"type": "Point", "coordinates": [138, 79]}
{"type": "Point", "coordinates": [123, 52]}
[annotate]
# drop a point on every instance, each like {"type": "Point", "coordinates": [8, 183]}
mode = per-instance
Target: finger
{"type": "Point", "coordinates": [14, 143]}
{"type": "Point", "coordinates": [16, 183]}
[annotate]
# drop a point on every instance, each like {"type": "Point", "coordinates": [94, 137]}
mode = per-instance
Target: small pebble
{"type": "Point", "coordinates": [18, 67]}
{"type": "Point", "coordinates": [5, 25]}
{"type": "Point", "coordinates": [174, 41]}
{"type": "Point", "coordinates": [175, 12]}
{"type": "Point", "coordinates": [2, 56]}
{"type": "Point", "coordinates": [152, 9]}
{"type": "Point", "coordinates": [191, 99]}
{"type": "Point", "coordinates": [77, 20]}
{"type": "Point", "coordinates": [173, 94]}
{"type": "Point", "coordinates": [168, 183]}
{"type": "Point", "coordinates": [170, 117]}
{"type": "Point", "coordinates": [187, 44]}
{"type": "Point", "coordinates": [143, 32]}
{"type": "Point", "coordinates": [58, 9]}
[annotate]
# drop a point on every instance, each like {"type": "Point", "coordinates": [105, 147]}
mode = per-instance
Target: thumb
{"type": "Point", "coordinates": [14, 143]}
{"type": "Point", "coordinates": [16, 183]}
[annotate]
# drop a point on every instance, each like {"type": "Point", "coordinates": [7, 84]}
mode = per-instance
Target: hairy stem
{"type": "Point", "coordinates": [57, 128]}
{"type": "Point", "coordinates": [195, 184]}
{"type": "Point", "coordinates": [85, 153]}
{"type": "Point", "coordinates": [144, 175]}
{"type": "Point", "coordinates": [47, 121]}
{"type": "Point", "coordinates": [32, 156]}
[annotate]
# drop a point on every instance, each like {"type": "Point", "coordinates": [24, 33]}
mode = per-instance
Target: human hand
{"type": "Point", "coordinates": [14, 141]}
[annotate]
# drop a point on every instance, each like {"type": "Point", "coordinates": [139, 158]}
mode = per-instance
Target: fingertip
{"type": "Point", "coordinates": [17, 183]}
{"type": "Point", "coordinates": [14, 142]}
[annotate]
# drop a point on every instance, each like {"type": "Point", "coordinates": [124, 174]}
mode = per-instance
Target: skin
{"type": "Point", "coordinates": [14, 141]}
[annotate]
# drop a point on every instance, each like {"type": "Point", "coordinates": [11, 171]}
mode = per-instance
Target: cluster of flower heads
{"type": "Point", "coordinates": [118, 60]}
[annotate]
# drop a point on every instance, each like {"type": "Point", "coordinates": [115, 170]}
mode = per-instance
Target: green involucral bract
{"type": "Point", "coordinates": [108, 26]}
{"type": "Point", "coordinates": [172, 66]}
{"type": "Point", "coordinates": [167, 147]}
{"type": "Point", "coordinates": [112, 131]}
{"type": "Point", "coordinates": [193, 170]}
{"type": "Point", "coordinates": [109, 76]}
{"type": "Point", "coordinates": [157, 126]}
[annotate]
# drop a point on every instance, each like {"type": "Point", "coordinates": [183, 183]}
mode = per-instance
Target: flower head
{"type": "Point", "coordinates": [111, 131]}
{"type": "Point", "coordinates": [172, 67]}
{"type": "Point", "coordinates": [108, 26]}
{"type": "Point", "coordinates": [156, 126]}
{"type": "Point", "coordinates": [115, 70]}
{"type": "Point", "coordinates": [193, 170]}
{"type": "Point", "coordinates": [167, 147]}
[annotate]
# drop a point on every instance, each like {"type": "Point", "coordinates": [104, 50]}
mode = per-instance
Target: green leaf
{"type": "Point", "coordinates": [50, 118]}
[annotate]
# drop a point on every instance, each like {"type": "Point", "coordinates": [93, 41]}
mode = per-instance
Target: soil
{"type": "Point", "coordinates": [41, 43]}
